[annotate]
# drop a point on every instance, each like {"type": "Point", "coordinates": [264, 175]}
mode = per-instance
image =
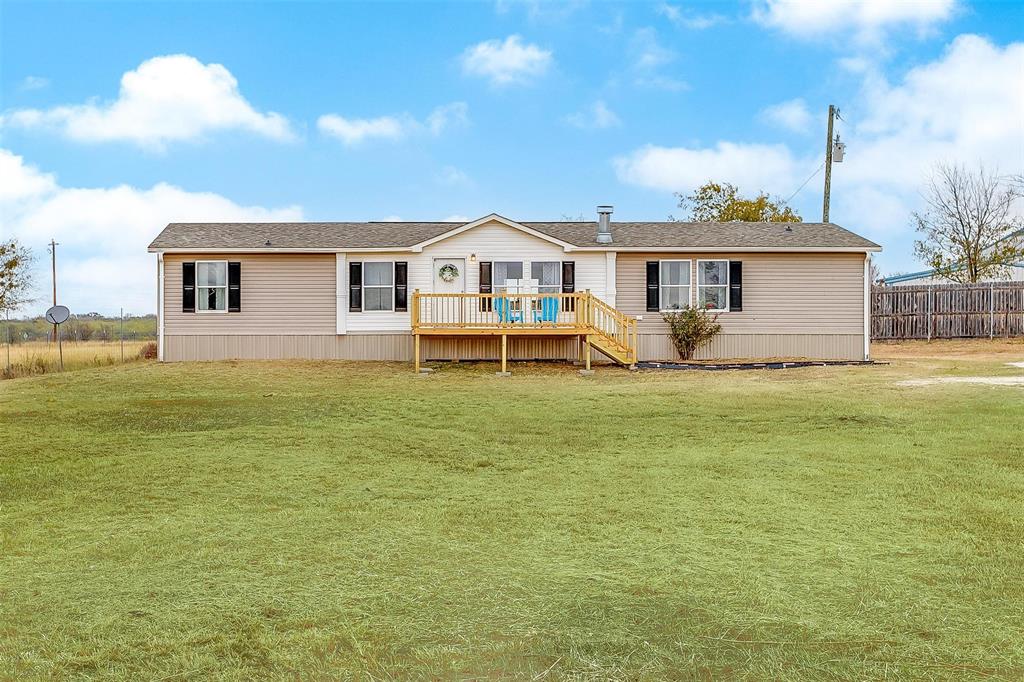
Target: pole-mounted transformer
{"type": "Point", "coordinates": [834, 151]}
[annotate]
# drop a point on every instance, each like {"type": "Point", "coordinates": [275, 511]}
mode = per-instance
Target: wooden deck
{"type": "Point", "coordinates": [597, 324]}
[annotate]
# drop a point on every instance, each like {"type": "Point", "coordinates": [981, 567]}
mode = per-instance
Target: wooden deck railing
{"type": "Point", "coordinates": [498, 311]}
{"type": "Point", "coordinates": [579, 313]}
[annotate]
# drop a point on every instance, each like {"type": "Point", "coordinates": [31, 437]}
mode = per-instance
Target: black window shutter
{"type": "Point", "coordinates": [188, 287]}
{"type": "Point", "coordinates": [485, 285]}
{"type": "Point", "coordinates": [568, 283]}
{"type": "Point", "coordinates": [653, 286]}
{"type": "Point", "coordinates": [355, 287]}
{"type": "Point", "coordinates": [401, 287]}
{"type": "Point", "coordinates": [735, 285]}
{"type": "Point", "coordinates": [234, 287]}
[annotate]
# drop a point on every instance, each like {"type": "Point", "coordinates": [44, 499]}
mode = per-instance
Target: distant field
{"type": "Point", "coordinates": [333, 520]}
{"type": "Point", "coordinates": [40, 357]}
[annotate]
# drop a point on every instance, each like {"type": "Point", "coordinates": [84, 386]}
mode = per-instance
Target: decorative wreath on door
{"type": "Point", "coordinates": [448, 273]}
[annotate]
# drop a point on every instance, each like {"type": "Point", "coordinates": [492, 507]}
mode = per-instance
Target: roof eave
{"type": "Point", "coordinates": [734, 249]}
{"type": "Point", "coordinates": [569, 247]}
{"type": "Point", "coordinates": [284, 249]}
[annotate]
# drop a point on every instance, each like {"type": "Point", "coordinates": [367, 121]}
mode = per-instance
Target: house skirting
{"type": "Point", "coordinates": [399, 347]}
{"type": "Point", "coordinates": [654, 347]}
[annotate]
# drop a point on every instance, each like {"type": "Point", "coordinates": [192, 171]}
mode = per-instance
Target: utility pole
{"type": "Point", "coordinates": [53, 264]}
{"type": "Point", "coordinates": [56, 327]}
{"type": "Point", "coordinates": [832, 111]}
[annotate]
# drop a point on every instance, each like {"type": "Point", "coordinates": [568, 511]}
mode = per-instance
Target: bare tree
{"type": "Point", "coordinates": [15, 275]}
{"type": "Point", "coordinates": [969, 228]}
{"type": "Point", "coordinates": [874, 274]}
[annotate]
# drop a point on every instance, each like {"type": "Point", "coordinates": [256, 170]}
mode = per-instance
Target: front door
{"type": "Point", "coordinates": [449, 275]}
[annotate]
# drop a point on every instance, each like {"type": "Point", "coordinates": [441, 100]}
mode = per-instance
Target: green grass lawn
{"type": "Point", "coordinates": [332, 520]}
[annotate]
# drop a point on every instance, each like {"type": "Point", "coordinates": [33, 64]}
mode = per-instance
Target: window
{"type": "Point", "coordinates": [504, 270]}
{"type": "Point", "coordinates": [713, 284]}
{"type": "Point", "coordinates": [212, 286]}
{"type": "Point", "coordinates": [378, 286]}
{"type": "Point", "coordinates": [675, 284]}
{"type": "Point", "coordinates": [548, 276]}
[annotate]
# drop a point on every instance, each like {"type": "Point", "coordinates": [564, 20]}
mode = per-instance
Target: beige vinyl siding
{"type": "Point", "coordinates": [281, 294]}
{"type": "Point", "coordinates": [791, 293]}
{"type": "Point", "coordinates": [654, 347]}
{"type": "Point", "coordinates": [395, 346]}
{"type": "Point", "coordinates": [795, 305]}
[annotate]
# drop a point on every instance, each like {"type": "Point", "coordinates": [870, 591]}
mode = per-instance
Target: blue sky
{"type": "Point", "coordinates": [427, 111]}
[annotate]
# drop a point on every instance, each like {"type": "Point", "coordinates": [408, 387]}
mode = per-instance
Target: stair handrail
{"type": "Point", "coordinates": [623, 327]}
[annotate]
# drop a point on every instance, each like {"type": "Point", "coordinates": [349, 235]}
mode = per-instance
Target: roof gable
{"type": "Point", "coordinates": [492, 218]}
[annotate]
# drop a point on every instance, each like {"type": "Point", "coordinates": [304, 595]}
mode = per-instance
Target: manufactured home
{"type": "Point", "coordinates": [496, 288]}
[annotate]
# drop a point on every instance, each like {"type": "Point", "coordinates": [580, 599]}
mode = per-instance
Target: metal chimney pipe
{"type": "Point", "coordinates": [604, 224]}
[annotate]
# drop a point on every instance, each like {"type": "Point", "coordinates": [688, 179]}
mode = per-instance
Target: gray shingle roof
{"type": "Point", "coordinates": [709, 235]}
{"type": "Point", "coordinates": [632, 235]}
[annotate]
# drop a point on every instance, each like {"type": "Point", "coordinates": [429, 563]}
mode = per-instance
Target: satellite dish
{"type": "Point", "coordinates": [58, 314]}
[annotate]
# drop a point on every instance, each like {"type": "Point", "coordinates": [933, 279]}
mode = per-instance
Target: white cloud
{"type": "Point", "coordinates": [866, 20]}
{"type": "Point", "coordinates": [648, 52]}
{"type": "Point", "coordinates": [542, 10]}
{"type": "Point", "coordinates": [648, 58]}
{"type": "Point", "coordinates": [165, 99]}
{"type": "Point", "coordinates": [21, 182]}
{"type": "Point", "coordinates": [103, 232]}
{"type": "Point", "coordinates": [353, 131]}
{"type": "Point", "coordinates": [447, 116]}
{"type": "Point", "coordinates": [456, 218]}
{"type": "Point", "coordinates": [791, 115]}
{"type": "Point", "coordinates": [506, 62]}
{"type": "Point", "coordinates": [595, 117]}
{"type": "Point", "coordinates": [687, 19]}
{"type": "Point", "coordinates": [34, 83]}
{"type": "Point", "coordinates": [958, 108]}
{"type": "Point", "coordinates": [452, 176]}
{"type": "Point", "coordinates": [752, 167]}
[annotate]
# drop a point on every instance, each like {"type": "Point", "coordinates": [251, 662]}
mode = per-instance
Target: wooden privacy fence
{"type": "Point", "coordinates": [946, 311]}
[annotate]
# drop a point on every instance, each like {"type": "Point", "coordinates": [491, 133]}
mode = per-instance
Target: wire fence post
{"type": "Point", "coordinates": [121, 334]}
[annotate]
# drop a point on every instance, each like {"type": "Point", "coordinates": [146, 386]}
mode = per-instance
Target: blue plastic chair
{"type": "Point", "coordinates": [505, 313]}
{"type": "Point", "coordinates": [548, 310]}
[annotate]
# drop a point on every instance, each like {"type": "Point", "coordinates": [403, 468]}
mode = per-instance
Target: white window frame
{"type": "Point", "coordinates": [558, 269]}
{"type": "Point", "coordinates": [494, 285]}
{"type": "Point", "coordinates": [225, 287]}
{"type": "Point", "coordinates": [688, 287]}
{"type": "Point", "coordinates": [717, 286]}
{"type": "Point", "coordinates": [364, 287]}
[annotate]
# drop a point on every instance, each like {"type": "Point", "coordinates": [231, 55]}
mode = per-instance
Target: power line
{"type": "Point", "coordinates": [809, 178]}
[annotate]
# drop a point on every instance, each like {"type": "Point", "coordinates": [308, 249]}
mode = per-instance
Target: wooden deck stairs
{"type": "Point", "coordinates": [596, 324]}
{"type": "Point", "coordinates": [611, 332]}
{"type": "Point", "coordinates": [624, 355]}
